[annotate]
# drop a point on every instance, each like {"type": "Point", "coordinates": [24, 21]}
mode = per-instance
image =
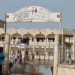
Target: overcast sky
{"type": "Point", "coordinates": [66, 7]}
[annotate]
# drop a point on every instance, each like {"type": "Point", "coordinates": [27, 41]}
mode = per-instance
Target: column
{"type": "Point", "coordinates": [74, 47]}
{"type": "Point", "coordinates": [63, 51]}
{"type": "Point", "coordinates": [45, 49]}
{"type": "Point", "coordinates": [45, 44]}
{"type": "Point", "coordinates": [56, 48]}
{"type": "Point", "coordinates": [67, 55]}
{"type": "Point", "coordinates": [6, 52]}
{"type": "Point", "coordinates": [34, 42]}
{"type": "Point", "coordinates": [10, 46]}
{"type": "Point", "coordinates": [33, 59]}
{"type": "Point", "coordinates": [30, 40]}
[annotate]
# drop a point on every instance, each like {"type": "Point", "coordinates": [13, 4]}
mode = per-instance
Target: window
{"type": "Point", "coordinates": [37, 53]}
{"type": "Point", "coordinates": [14, 38]}
{"type": "Point", "coordinates": [50, 39]}
{"type": "Point", "coordinates": [40, 39]}
{"type": "Point", "coordinates": [49, 53]}
{"type": "Point", "coordinates": [3, 38]}
{"type": "Point", "coordinates": [0, 38]}
{"type": "Point", "coordinates": [32, 40]}
{"type": "Point", "coordinates": [26, 53]}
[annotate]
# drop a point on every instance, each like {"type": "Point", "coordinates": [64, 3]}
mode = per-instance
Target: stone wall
{"type": "Point", "coordinates": [66, 69]}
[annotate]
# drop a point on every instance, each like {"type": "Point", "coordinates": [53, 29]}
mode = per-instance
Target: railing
{"type": "Point", "coordinates": [50, 44]}
{"type": "Point", "coordinates": [2, 43]}
{"type": "Point", "coordinates": [47, 44]}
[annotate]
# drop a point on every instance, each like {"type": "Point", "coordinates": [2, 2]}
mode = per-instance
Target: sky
{"type": "Point", "coordinates": [66, 7]}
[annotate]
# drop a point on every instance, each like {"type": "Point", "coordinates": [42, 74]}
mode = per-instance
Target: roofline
{"type": "Point", "coordinates": [2, 22]}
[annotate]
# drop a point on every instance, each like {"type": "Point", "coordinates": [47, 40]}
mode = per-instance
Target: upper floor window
{"type": "Point", "coordinates": [3, 38]}
{"type": "Point", "coordinates": [51, 39]}
{"type": "Point", "coordinates": [40, 39]}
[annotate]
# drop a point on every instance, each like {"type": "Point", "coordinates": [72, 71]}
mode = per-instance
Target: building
{"type": "Point", "coordinates": [41, 42]}
{"type": "Point", "coordinates": [2, 24]}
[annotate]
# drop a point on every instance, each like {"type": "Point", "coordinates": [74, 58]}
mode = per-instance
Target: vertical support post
{"type": "Point", "coordinates": [39, 54]}
{"type": "Point", "coordinates": [67, 55]}
{"type": "Point", "coordinates": [61, 34]}
{"type": "Point", "coordinates": [6, 52]}
{"type": "Point", "coordinates": [45, 50]}
{"type": "Point", "coordinates": [56, 51]}
{"type": "Point", "coordinates": [33, 44]}
{"type": "Point", "coordinates": [48, 54]}
{"type": "Point", "coordinates": [5, 24]}
{"type": "Point", "coordinates": [33, 59]}
{"type": "Point", "coordinates": [34, 40]}
{"type": "Point", "coordinates": [74, 47]}
{"type": "Point", "coordinates": [9, 46]}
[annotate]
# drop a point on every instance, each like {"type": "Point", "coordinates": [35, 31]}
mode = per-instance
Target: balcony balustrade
{"type": "Point", "coordinates": [1, 43]}
{"type": "Point", "coordinates": [48, 44]}
{"type": "Point", "coordinates": [16, 43]}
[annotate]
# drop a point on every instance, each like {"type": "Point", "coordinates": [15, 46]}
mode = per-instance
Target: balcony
{"type": "Point", "coordinates": [47, 44]}
{"type": "Point", "coordinates": [37, 44]}
{"type": "Point", "coordinates": [50, 44]}
{"type": "Point", "coordinates": [1, 43]}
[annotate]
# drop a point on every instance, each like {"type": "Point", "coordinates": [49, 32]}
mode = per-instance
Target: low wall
{"type": "Point", "coordinates": [65, 69]}
{"type": "Point", "coordinates": [17, 74]}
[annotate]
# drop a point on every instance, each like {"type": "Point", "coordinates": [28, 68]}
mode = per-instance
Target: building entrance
{"type": "Point", "coordinates": [39, 51]}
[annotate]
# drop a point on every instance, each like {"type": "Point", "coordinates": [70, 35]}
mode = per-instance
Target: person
{"type": "Point", "coordinates": [32, 10]}
{"type": "Point", "coordinates": [10, 65]}
{"type": "Point", "coordinates": [52, 69]}
{"type": "Point", "coordinates": [15, 58]}
{"type": "Point", "coordinates": [32, 56]}
{"type": "Point", "coordinates": [20, 58]}
{"type": "Point", "coordinates": [1, 59]}
{"type": "Point", "coordinates": [35, 9]}
{"type": "Point", "coordinates": [11, 61]}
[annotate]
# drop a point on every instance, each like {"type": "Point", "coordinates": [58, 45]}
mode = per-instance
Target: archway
{"type": "Point", "coordinates": [33, 14]}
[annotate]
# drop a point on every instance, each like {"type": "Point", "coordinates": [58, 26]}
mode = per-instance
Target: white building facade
{"type": "Point", "coordinates": [41, 42]}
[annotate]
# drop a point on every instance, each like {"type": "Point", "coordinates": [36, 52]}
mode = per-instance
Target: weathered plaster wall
{"type": "Point", "coordinates": [66, 69]}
